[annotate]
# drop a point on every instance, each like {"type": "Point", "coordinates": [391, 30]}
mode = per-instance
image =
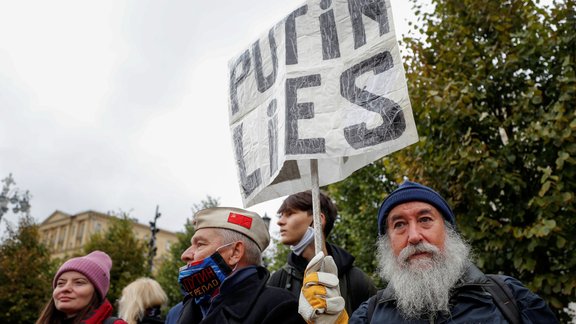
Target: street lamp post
{"type": "Point", "coordinates": [266, 220]}
{"type": "Point", "coordinates": [152, 242]}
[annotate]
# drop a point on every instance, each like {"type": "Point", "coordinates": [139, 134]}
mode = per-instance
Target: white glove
{"type": "Point", "coordinates": [320, 300]}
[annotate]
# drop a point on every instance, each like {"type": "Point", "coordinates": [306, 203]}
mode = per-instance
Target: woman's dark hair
{"type": "Point", "coordinates": [303, 201]}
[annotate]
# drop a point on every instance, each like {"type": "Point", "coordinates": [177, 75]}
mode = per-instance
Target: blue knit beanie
{"type": "Point", "coordinates": [411, 191]}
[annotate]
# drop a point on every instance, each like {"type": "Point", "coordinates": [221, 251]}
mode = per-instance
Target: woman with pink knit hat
{"type": "Point", "coordinates": [79, 295]}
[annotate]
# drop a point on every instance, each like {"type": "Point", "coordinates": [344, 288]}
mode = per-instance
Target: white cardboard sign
{"type": "Point", "coordinates": [325, 83]}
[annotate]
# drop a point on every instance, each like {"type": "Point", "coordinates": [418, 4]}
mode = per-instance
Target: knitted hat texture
{"type": "Point", "coordinates": [411, 191]}
{"type": "Point", "coordinates": [95, 266]}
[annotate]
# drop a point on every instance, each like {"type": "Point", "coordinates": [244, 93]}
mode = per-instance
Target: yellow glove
{"type": "Point", "coordinates": [320, 300]}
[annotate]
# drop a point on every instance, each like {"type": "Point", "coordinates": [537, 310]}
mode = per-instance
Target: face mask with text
{"type": "Point", "coordinates": [202, 278]}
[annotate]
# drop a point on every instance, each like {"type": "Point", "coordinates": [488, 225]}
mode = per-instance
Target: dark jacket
{"type": "Point", "coordinates": [174, 314]}
{"type": "Point", "coordinates": [355, 286]}
{"type": "Point", "coordinates": [151, 320]}
{"type": "Point", "coordinates": [470, 303]}
{"type": "Point", "coordinates": [152, 315]}
{"type": "Point", "coordinates": [249, 301]}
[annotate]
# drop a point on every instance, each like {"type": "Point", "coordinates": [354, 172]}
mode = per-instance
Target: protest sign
{"type": "Point", "coordinates": [326, 83]}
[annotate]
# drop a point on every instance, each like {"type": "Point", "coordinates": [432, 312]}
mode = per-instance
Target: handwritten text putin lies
{"type": "Point", "coordinates": [327, 23]}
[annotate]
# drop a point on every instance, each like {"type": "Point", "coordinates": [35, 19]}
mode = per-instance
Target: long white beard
{"type": "Point", "coordinates": [422, 286]}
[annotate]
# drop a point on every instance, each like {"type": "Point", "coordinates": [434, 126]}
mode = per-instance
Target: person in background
{"type": "Point", "coordinates": [79, 296]}
{"type": "Point", "coordinates": [141, 302]}
{"type": "Point", "coordinates": [224, 279]}
{"type": "Point", "coordinates": [295, 222]}
{"type": "Point", "coordinates": [430, 275]}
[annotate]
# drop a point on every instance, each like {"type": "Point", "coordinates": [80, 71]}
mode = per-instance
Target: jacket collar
{"type": "Point", "coordinates": [98, 315]}
{"type": "Point", "coordinates": [245, 294]}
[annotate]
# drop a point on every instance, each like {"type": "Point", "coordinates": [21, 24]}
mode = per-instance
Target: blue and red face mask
{"type": "Point", "coordinates": [202, 278]}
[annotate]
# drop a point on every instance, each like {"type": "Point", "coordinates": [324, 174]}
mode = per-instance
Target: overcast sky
{"type": "Point", "coordinates": [122, 105]}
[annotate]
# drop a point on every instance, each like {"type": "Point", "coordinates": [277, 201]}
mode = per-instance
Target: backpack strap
{"type": "Point", "coordinates": [503, 298]}
{"type": "Point", "coordinates": [344, 283]}
{"type": "Point", "coordinates": [372, 304]}
{"type": "Point", "coordinates": [282, 277]}
{"type": "Point", "coordinates": [287, 283]}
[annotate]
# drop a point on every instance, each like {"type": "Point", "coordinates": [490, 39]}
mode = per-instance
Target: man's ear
{"type": "Point", "coordinates": [237, 252]}
{"type": "Point", "coordinates": [322, 220]}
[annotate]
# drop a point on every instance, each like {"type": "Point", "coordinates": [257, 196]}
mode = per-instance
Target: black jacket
{"type": "Point", "coordinates": [355, 286]}
{"type": "Point", "coordinates": [151, 320]}
{"type": "Point", "coordinates": [250, 301]}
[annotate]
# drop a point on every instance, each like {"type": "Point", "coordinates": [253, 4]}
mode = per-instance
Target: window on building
{"type": "Point", "coordinates": [71, 240]}
{"type": "Point", "coordinates": [97, 227]}
{"type": "Point", "coordinates": [80, 233]}
{"type": "Point", "coordinates": [62, 238]}
{"type": "Point", "coordinates": [53, 239]}
{"type": "Point", "coordinates": [168, 244]}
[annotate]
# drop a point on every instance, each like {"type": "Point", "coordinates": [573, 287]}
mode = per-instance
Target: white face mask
{"type": "Point", "coordinates": [304, 242]}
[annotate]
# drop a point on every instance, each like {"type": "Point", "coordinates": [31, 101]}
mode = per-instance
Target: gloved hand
{"type": "Point", "coordinates": [320, 300]}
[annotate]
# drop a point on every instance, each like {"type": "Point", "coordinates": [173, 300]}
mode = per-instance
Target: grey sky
{"type": "Point", "coordinates": [122, 105]}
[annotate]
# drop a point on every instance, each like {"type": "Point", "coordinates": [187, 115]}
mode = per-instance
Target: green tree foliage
{"type": "Point", "coordinates": [128, 254]}
{"type": "Point", "coordinates": [492, 85]}
{"type": "Point", "coordinates": [25, 273]}
{"type": "Point", "coordinates": [276, 259]}
{"type": "Point", "coordinates": [167, 274]}
{"type": "Point", "coordinates": [358, 199]}
{"type": "Point", "coordinates": [11, 199]}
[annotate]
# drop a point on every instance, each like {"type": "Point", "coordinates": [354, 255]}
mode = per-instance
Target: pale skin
{"type": "Point", "coordinates": [415, 222]}
{"type": "Point", "coordinates": [206, 241]}
{"type": "Point", "coordinates": [73, 293]}
{"type": "Point", "coordinates": [293, 225]}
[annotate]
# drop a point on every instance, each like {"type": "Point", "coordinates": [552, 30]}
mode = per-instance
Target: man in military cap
{"type": "Point", "coordinates": [224, 279]}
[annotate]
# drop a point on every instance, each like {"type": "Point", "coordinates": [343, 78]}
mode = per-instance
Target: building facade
{"type": "Point", "coordinates": [65, 234]}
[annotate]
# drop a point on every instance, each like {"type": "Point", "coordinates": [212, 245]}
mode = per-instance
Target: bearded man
{"type": "Point", "coordinates": [430, 276]}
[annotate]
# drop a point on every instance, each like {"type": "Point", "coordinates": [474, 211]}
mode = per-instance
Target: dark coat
{"type": "Point", "coordinates": [355, 286]}
{"type": "Point", "coordinates": [250, 301]}
{"type": "Point", "coordinates": [151, 320]}
{"type": "Point", "coordinates": [174, 314]}
{"type": "Point", "coordinates": [470, 303]}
